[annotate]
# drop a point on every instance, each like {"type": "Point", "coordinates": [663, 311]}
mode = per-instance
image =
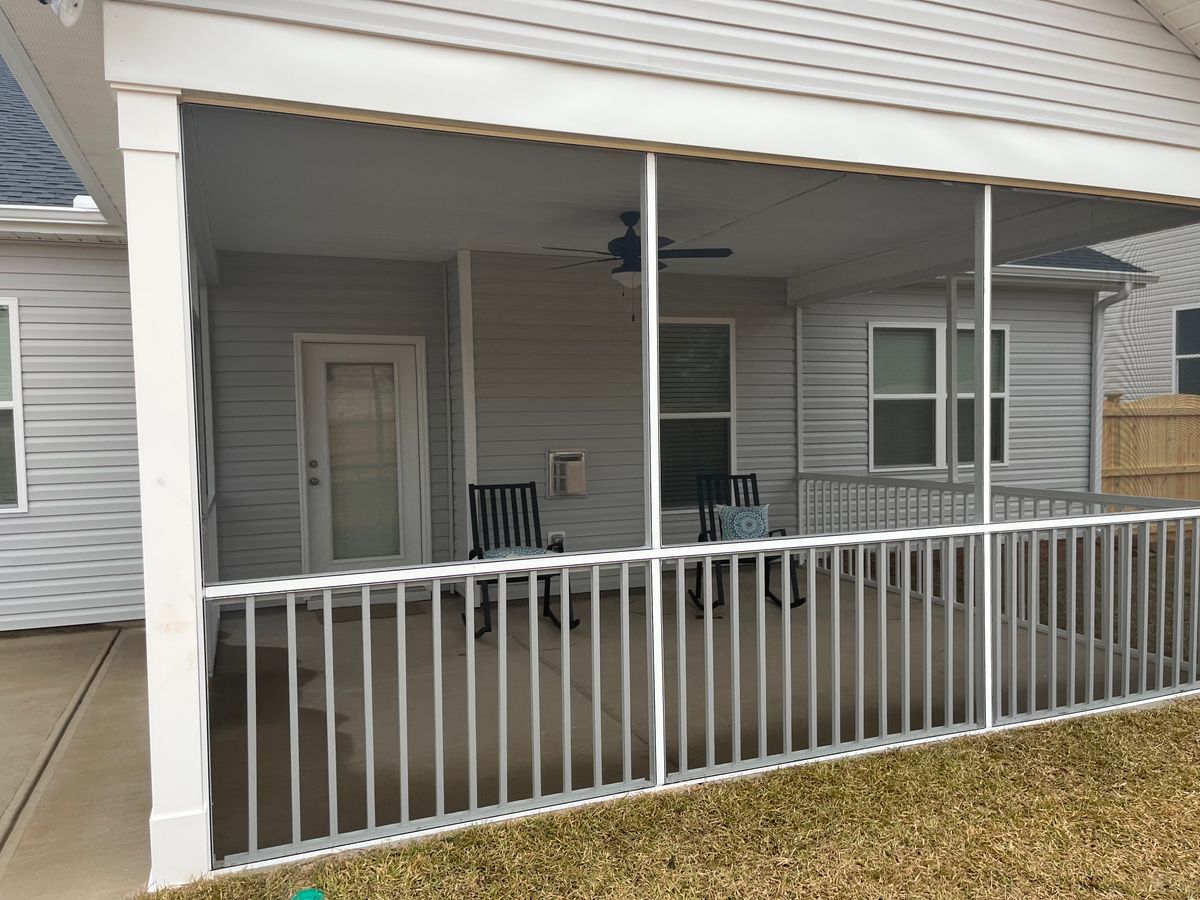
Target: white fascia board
{"type": "Point", "coordinates": [30, 80]}
{"type": "Point", "coordinates": [468, 89]}
{"type": "Point", "coordinates": [56, 220]}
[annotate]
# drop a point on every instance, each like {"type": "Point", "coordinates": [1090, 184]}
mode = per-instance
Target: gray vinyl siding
{"type": "Point", "coordinates": [75, 556]}
{"type": "Point", "coordinates": [260, 304]}
{"type": "Point", "coordinates": [1139, 357]}
{"type": "Point", "coordinates": [1097, 65]}
{"type": "Point", "coordinates": [558, 366]}
{"type": "Point", "coordinates": [1049, 377]}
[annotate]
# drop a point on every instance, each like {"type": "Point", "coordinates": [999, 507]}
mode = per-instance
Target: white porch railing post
{"type": "Point", "coordinates": [651, 461]}
{"type": "Point", "coordinates": [952, 378]}
{"type": "Point", "coordinates": [983, 439]}
{"type": "Point", "coordinates": [149, 134]}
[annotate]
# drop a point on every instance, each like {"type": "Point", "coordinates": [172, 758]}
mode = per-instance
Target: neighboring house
{"type": "Point", "coordinates": [1153, 338]}
{"type": "Point", "coordinates": [70, 549]}
{"type": "Point", "coordinates": [588, 256]}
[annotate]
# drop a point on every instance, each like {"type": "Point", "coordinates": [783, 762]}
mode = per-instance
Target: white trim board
{"type": "Point", "coordinates": [17, 405]}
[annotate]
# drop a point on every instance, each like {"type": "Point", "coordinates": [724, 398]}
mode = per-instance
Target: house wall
{"type": "Point", "coordinates": [1049, 378]}
{"type": "Point", "coordinates": [558, 365]}
{"type": "Point", "coordinates": [1139, 357]}
{"type": "Point", "coordinates": [261, 302]}
{"type": "Point", "coordinates": [75, 556]}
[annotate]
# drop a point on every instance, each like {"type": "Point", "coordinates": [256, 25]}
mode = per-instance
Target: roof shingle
{"type": "Point", "coordinates": [33, 171]}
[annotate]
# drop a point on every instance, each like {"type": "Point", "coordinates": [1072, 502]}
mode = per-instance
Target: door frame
{"type": "Point", "coordinates": [417, 342]}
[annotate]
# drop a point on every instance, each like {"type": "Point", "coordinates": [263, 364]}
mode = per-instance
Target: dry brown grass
{"type": "Point", "coordinates": [1107, 806]}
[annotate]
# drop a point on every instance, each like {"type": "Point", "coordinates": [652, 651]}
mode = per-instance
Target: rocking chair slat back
{"type": "Point", "coordinates": [504, 515]}
{"type": "Point", "coordinates": [722, 490]}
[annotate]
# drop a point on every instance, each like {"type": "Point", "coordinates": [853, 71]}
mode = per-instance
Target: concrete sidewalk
{"type": "Point", "coordinates": [74, 764]}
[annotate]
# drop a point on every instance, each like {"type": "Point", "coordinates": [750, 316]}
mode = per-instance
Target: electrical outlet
{"type": "Point", "coordinates": [558, 537]}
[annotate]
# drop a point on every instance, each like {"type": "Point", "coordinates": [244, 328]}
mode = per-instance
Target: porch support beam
{"type": "Point", "coordinates": [983, 456]}
{"type": "Point", "coordinates": [951, 378]}
{"type": "Point", "coordinates": [149, 134]}
{"type": "Point", "coordinates": [651, 462]}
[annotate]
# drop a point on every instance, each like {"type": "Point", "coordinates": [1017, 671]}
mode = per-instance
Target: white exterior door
{"type": "Point", "coordinates": [362, 452]}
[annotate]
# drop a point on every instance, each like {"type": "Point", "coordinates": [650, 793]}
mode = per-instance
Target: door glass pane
{"type": "Point", "coordinates": [691, 447]}
{"type": "Point", "coordinates": [6, 355]}
{"type": "Point", "coordinates": [694, 366]}
{"type": "Point", "coordinates": [360, 403]}
{"type": "Point", "coordinates": [904, 432]}
{"type": "Point", "coordinates": [905, 361]}
{"type": "Point", "coordinates": [966, 362]}
{"type": "Point", "coordinates": [8, 459]}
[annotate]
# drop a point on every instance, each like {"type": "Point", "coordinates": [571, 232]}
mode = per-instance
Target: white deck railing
{"type": "Point", "coordinates": [359, 705]}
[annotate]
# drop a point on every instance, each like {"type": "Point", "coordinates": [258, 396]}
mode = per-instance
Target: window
{"type": "Point", "coordinates": [1187, 351]}
{"type": "Point", "coordinates": [909, 393]}
{"type": "Point", "coordinates": [696, 405]}
{"type": "Point", "coordinates": [12, 433]}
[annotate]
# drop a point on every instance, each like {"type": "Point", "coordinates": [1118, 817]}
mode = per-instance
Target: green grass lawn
{"type": "Point", "coordinates": [1105, 806]}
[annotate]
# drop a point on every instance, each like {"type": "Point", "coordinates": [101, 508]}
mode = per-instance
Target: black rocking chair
{"type": "Point", "coordinates": [504, 517]}
{"type": "Point", "coordinates": [733, 490]}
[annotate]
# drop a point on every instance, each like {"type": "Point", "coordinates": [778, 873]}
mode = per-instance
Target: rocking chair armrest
{"type": "Point", "coordinates": [475, 553]}
{"type": "Point", "coordinates": [777, 532]}
{"type": "Point", "coordinates": [556, 547]}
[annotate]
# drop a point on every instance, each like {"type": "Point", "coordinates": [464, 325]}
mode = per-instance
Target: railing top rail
{"type": "Point", "coordinates": [1086, 497]}
{"type": "Point", "coordinates": [459, 571]}
{"type": "Point", "coordinates": [888, 481]}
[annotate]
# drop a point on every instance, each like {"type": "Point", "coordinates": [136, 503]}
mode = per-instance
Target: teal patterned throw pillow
{"type": "Point", "coordinates": [743, 523]}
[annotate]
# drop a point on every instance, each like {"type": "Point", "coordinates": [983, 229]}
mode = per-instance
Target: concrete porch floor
{"type": "Point", "coordinates": [588, 702]}
{"type": "Point", "coordinates": [75, 778]}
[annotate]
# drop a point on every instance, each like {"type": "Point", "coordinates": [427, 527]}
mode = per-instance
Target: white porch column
{"type": "Point", "coordinates": [148, 122]}
{"type": "Point", "coordinates": [951, 377]}
{"type": "Point", "coordinates": [983, 444]}
{"type": "Point", "coordinates": [652, 457]}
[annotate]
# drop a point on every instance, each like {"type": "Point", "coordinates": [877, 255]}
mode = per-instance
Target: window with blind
{"type": "Point", "coordinates": [909, 393]}
{"type": "Point", "coordinates": [695, 406]}
{"type": "Point", "coordinates": [1187, 351]}
{"type": "Point", "coordinates": [12, 469]}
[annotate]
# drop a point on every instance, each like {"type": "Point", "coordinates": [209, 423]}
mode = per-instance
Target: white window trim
{"type": "Point", "coordinates": [940, 395]}
{"type": "Point", "coordinates": [1176, 356]}
{"type": "Point", "coordinates": [731, 323]}
{"type": "Point", "coordinates": [16, 405]}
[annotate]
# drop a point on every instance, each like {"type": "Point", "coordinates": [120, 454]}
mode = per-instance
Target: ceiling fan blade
{"type": "Point", "coordinates": [586, 262]}
{"type": "Point", "coordinates": [696, 253]}
{"type": "Point", "coordinates": [665, 241]}
{"type": "Point", "coordinates": [577, 250]}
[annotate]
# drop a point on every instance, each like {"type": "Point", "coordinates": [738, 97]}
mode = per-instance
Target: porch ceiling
{"type": "Point", "coordinates": [269, 183]}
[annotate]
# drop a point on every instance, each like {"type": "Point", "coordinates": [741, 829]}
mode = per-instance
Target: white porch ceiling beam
{"type": "Point", "coordinates": [1042, 231]}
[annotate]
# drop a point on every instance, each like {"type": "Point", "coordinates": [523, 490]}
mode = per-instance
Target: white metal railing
{"type": "Point", "coordinates": [360, 705]}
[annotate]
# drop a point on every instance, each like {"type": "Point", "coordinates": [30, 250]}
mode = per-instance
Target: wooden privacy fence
{"type": "Point", "coordinates": [1152, 446]}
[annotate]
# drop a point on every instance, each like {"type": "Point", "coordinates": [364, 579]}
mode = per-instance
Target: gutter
{"type": "Point", "coordinates": [1095, 454]}
{"type": "Point", "coordinates": [57, 220]}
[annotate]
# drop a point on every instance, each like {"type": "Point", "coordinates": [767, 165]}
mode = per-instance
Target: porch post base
{"type": "Point", "coordinates": [179, 850]}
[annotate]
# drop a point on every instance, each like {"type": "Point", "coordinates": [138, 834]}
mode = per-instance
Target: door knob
{"type": "Point", "coordinates": [314, 480]}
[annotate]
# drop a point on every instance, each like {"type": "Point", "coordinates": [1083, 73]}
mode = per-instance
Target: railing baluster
{"type": "Point", "coordinates": [1072, 614]}
{"type": "Point", "coordinates": [1160, 630]}
{"type": "Point", "coordinates": [439, 741]}
{"type": "Point", "coordinates": [882, 578]}
{"type": "Point", "coordinates": [812, 657]}
{"type": "Point", "coordinates": [251, 728]}
{"type": "Point", "coordinates": [1107, 632]}
{"type": "Point", "coordinates": [681, 661]}
{"type": "Point", "coordinates": [969, 642]}
{"type": "Point", "coordinates": [860, 687]}
{"type": "Point", "coordinates": [626, 714]}
{"type": "Point", "coordinates": [906, 637]}
{"type": "Point", "coordinates": [1012, 591]}
{"type": "Point", "coordinates": [927, 639]}
{"type": "Point", "coordinates": [330, 712]}
{"type": "Point", "coordinates": [564, 644]}
{"type": "Point", "coordinates": [1195, 604]}
{"type": "Point", "coordinates": [1052, 623]}
{"type": "Point", "coordinates": [949, 553]}
{"type": "Point", "coordinates": [835, 648]}
{"type": "Point", "coordinates": [709, 712]}
{"type": "Point", "coordinates": [760, 634]}
{"type": "Point", "coordinates": [293, 717]}
{"type": "Point", "coordinates": [1177, 602]}
{"type": "Point", "coordinates": [502, 687]}
{"type": "Point", "coordinates": [1144, 603]}
{"type": "Point", "coordinates": [472, 739]}
{"type": "Point", "coordinates": [535, 691]}
{"type": "Point", "coordinates": [597, 685]}
{"type": "Point", "coordinates": [368, 705]}
{"type": "Point", "coordinates": [1033, 607]}
{"type": "Point", "coordinates": [1125, 616]}
{"type": "Point", "coordinates": [402, 695]}
{"type": "Point", "coordinates": [1089, 600]}
{"type": "Point", "coordinates": [785, 587]}
{"type": "Point", "coordinates": [735, 658]}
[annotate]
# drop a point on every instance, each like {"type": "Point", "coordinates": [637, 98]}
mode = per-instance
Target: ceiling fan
{"type": "Point", "coordinates": [627, 250]}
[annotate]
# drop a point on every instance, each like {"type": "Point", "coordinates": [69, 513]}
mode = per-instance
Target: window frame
{"type": "Point", "coordinates": [17, 406]}
{"type": "Point", "coordinates": [731, 415]}
{"type": "Point", "coordinates": [940, 397]}
{"type": "Point", "coordinates": [1176, 356]}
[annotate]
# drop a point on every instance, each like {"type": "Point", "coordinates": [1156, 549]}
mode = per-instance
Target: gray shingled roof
{"type": "Point", "coordinates": [1082, 258]}
{"type": "Point", "coordinates": [32, 170]}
